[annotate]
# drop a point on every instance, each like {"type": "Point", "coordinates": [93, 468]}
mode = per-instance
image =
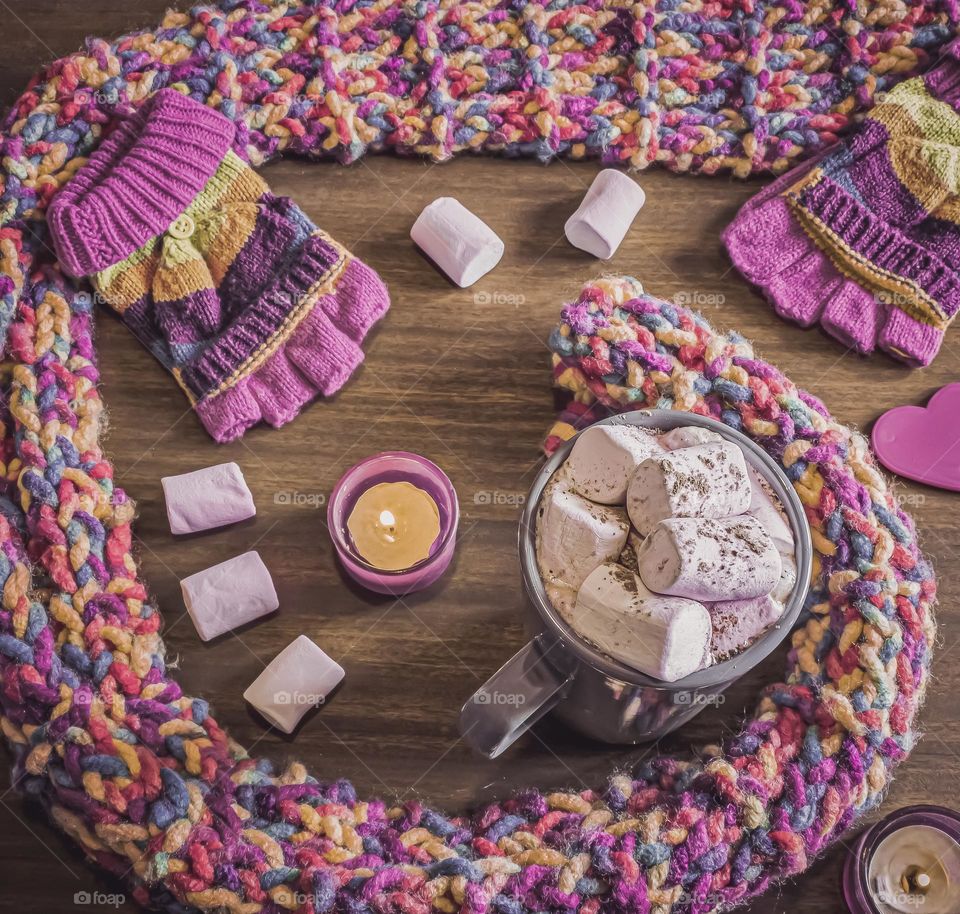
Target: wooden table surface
{"type": "Point", "coordinates": [463, 377]}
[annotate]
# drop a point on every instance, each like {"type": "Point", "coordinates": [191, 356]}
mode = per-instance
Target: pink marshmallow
{"type": "Point", "coordinates": [738, 623]}
{"type": "Point", "coordinates": [457, 241]}
{"type": "Point", "coordinates": [299, 678]}
{"type": "Point", "coordinates": [207, 498]}
{"type": "Point", "coordinates": [605, 214]}
{"type": "Point", "coordinates": [229, 595]}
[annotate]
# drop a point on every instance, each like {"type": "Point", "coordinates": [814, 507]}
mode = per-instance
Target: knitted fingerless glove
{"type": "Point", "coordinates": [252, 308]}
{"type": "Point", "coordinates": [865, 238]}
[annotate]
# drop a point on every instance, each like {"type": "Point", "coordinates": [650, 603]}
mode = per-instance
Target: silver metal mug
{"type": "Point", "coordinates": [591, 692]}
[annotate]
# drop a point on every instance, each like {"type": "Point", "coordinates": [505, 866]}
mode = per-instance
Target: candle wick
{"type": "Point", "coordinates": [915, 879]}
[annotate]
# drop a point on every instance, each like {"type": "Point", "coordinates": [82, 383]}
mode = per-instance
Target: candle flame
{"type": "Point", "coordinates": [387, 519]}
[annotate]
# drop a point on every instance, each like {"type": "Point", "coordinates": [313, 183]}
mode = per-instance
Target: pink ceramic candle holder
{"type": "Point", "coordinates": [394, 466]}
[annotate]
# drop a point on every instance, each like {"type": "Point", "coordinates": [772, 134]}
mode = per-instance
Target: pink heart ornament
{"type": "Point", "coordinates": [923, 443]}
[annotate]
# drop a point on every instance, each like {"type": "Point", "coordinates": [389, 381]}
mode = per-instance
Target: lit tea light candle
{"type": "Point", "coordinates": [394, 524]}
{"type": "Point", "coordinates": [906, 864]}
{"type": "Point", "coordinates": [393, 520]}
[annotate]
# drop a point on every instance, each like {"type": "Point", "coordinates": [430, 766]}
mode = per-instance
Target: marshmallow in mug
{"type": "Point", "coordinates": [662, 636]}
{"type": "Point", "coordinates": [458, 242]}
{"type": "Point", "coordinates": [604, 459]}
{"type": "Point", "coordinates": [605, 214]}
{"type": "Point", "coordinates": [204, 499]}
{"type": "Point", "coordinates": [767, 511]}
{"type": "Point", "coordinates": [229, 595]}
{"type": "Point", "coordinates": [576, 535]}
{"type": "Point", "coordinates": [788, 578]}
{"type": "Point", "coordinates": [688, 436]}
{"type": "Point", "coordinates": [709, 559]}
{"type": "Point", "coordinates": [763, 504]}
{"type": "Point", "coordinates": [299, 678]}
{"type": "Point", "coordinates": [707, 480]}
{"type": "Point", "coordinates": [736, 624]}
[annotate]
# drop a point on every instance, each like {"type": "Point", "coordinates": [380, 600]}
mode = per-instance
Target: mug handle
{"type": "Point", "coordinates": [513, 699]}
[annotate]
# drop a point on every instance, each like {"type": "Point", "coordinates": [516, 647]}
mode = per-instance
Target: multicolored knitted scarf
{"type": "Point", "coordinates": [142, 777]}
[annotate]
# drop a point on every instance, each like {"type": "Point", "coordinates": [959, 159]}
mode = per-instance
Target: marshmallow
{"type": "Point", "coordinates": [207, 498]}
{"type": "Point", "coordinates": [229, 595]}
{"type": "Point", "coordinates": [707, 480]}
{"type": "Point", "coordinates": [738, 623]}
{"type": "Point", "coordinates": [605, 457]}
{"type": "Point", "coordinates": [457, 241]}
{"type": "Point", "coordinates": [766, 508]}
{"type": "Point", "coordinates": [574, 535]}
{"type": "Point", "coordinates": [606, 212]}
{"type": "Point", "coordinates": [665, 637]}
{"type": "Point", "coordinates": [788, 578]}
{"type": "Point", "coordinates": [764, 505]}
{"type": "Point", "coordinates": [707, 659]}
{"type": "Point", "coordinates": [768, 511]}
{"type": "Point", "coordinates": [299, 678]}
{"type": "Point", "coordinates": [706, 559]}
{"type": "Point", "coordinates": [688, 436]}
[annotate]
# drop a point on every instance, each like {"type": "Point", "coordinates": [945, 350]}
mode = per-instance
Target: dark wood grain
{"type": "Point", "coordinates": [467, 383]}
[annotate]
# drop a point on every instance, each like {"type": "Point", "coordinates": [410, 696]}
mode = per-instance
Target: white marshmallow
{"type": "Point", "coordinates": [766, 508]}
{"type": "Point", "coordinates": [708, 658]}
{"type": "Point", "coordinates": [738, 623]}
{"type": "Point", "coordinates": [458, 242]}
{"type": "Point", "coordinates": [299, 678]}
{"type": "Point", "coordinates": [604, 459]}
{"type": "Point", "coordinates": [707, 480]}
{"type": "Point", "coordinates": [605, 214]}
{"type": "Point", "coordinates": [229, 595]}
{"type": "Point", "coordinates": [688, 436]}
{"type": "Point", "coordinates": [769, 513]}
{"type": "Point", "coordinates": [707, 559]}
{"type": "Point", "coordinates": [764, 505]}
{"type": "Point", "coordinates": [207, 498]}
{"type": "Point", "coordinates": [574, 535]}
{"type": "Point", "coordinates": [665, 637]}
{"type": "Point", "coordinates": [788, 578]}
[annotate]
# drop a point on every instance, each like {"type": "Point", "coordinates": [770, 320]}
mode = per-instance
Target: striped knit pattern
{"type": "Point", "coordinates": [252, 308]}
{"type": "Point", "coordinates": [867, 240]}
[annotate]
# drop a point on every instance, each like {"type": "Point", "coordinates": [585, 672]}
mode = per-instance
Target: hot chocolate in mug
{"type": "Point", "coordinates": [557, 671]}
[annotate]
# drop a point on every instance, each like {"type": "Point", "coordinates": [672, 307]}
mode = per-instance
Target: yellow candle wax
{"type": "Point", "coordinates": [393, 525]}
